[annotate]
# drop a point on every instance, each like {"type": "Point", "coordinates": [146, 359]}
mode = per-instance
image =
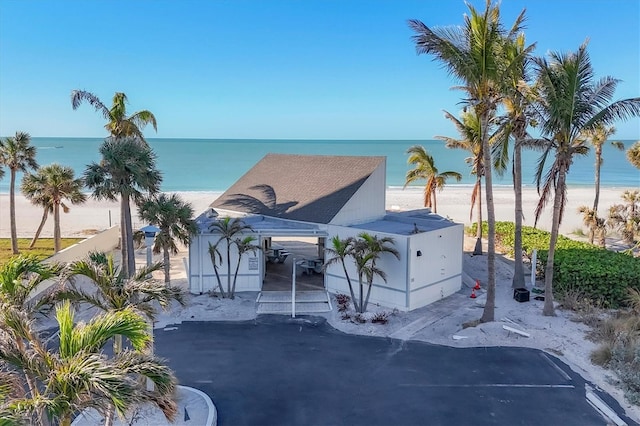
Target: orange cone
{"type": "Point", "coordinates": [477, 286]}
{"type": "Point", "coordinates": [473, 294]}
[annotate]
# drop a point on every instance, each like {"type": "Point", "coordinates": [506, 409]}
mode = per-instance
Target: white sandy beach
{"type": "Point", "coordinates": [453, 202]}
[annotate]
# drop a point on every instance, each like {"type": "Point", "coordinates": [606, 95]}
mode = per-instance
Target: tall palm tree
{"type": "Point", "coordinates": [633, 154]}
{"type": "Point", "coordinates": [76, 375]}
{"type": "Point", "coordinates": [474, 55]}
{"type": "Point", "coordinates": [48, 187]}
{"type": "Point", "coordinates": [339, 251]}
{"type": "Point", "coordinates": [119, 124]}
{"type": "Point", "coordinates": [228, 229]}
{"type": "Point", "coordinates": [470, 140]}
{"type": "Point", "coordinates": [425, 168]}
{"type": "Point", "coordinates": [17, 154]}
{"type": "Point", "coordinates": [243, 245]}
{"type": "Point", "coordinates": [367, 250]}
{"type": "Point", "coordinates": [517, 102]}
{"type": "Point", "coordinates": [174, 218]}
{"type": "Point", "coordinates": [570, 103]}
{"type": "Point", "coordinates": [598, 136]}
{"type": "Point", "coordinates": [115, 290]}
{"type": "Point", "coordinates": [127, 170]}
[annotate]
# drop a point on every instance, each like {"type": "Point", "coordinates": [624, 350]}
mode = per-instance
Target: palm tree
{"type": "Point", "coordinates": [127, 169]}
{"type": "Point", "coordinates": [633, 154]}
{"type": "Point", "coordinates": [570, 103]}
{"type": "Point", "coordinates": [76, 375]}
{"type": "Point", "coordinates": [470, 140]}
{"type": "Point", "coordinates": [19, 278]}
{"type": "Point", "coordinates": [119, 124]}
{"type": "Point", "coordinates": [115, 290]}
{"type": "Point", "coordinates": [340, 250]}
{"type": "Point", "coordinates": [17, 154]}
{"type": "Point", "coordinates": [243, 245]}
{"type": "Point", "coordinates": [228, 229]}
{"type": "Point", "coordinates": [625, 218]}
{"type": "Point", "coordinates": [425, 168]}
{"type": "Point", "coordinates": [474, 55]}
{"type": "Point", "coordinates": [174, 218]}
{"type": "Point", "coordinates": [367, 249]}
{"type": "Point", "coordinates": [595, 224]}
{"type": "Point", "coordinates": [216, 259]}
{"type": "Point", "coordinates": [598, 136]}
{"type": "Point", "coordinates": [517, 102]}
{"type": "Point", "coordinates": [48, 187]}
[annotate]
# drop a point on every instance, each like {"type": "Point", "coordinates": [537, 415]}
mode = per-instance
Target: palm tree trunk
{"type": "Point", "coordinates": [361, 295]}
{"type": "Point", "coordinates": [215, 269]}
{"type": "Point", "coordinates": [488, 314]}
{"type": "Point", "coordinates": [435, 202]}
{"type": "Point", "coordinates": [346, 275]}
{"type": "Point", "coordinates": [478, 248]}
{"type": "Point", "coordinates": [235, 274]}
{"type": "Point", "coordinates": [167, 265]}
{"type": "Point", "coordinates": [12, 212]}
{"type": "Point", "coordinates": [558, 201]}
{"type": "Point", "coordinates": [126, 232]}
{"type": "Point", "coordinates": [45, 215]}
{"type": "Point", "coordinates": [518, 272]}
{"type": "Point", "coordinates": [231, 295]}
{"type": "Point", "coordinates": [596, 200]}
{"type": "Point", "coordinates": [366, 301]}
{"type": "Point", "coordinates": [56, 226]}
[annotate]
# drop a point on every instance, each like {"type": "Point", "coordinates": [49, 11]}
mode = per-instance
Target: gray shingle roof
{"type": "Point", "coordinates": [309, 188]}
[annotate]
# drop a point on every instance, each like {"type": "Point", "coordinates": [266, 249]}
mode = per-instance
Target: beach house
{"type": "Point", "coordinates": [314, 198]}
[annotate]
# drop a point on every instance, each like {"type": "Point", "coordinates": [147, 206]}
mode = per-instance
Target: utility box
{"type": "Point", "coordinates": [521, 294]}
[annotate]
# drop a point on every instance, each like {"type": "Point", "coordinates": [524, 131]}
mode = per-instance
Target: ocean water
{"type": "Point", "coordinates": [215, 164]}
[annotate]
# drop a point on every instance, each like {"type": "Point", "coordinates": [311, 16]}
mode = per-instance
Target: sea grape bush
{"type": "Point", "coordinates": [601, 275]}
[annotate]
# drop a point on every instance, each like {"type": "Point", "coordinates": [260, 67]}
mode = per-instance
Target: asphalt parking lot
{"type": "Point", "coordinates": [279, 371]}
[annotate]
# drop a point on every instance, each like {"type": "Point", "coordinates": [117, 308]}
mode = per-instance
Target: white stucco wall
{"type": "Point", "coordinates": [202, 276]}
{"type": "Point", "coordinates": [368, 203]}
{"type": "Point", "coordinates": [393, 293]}
{"type": "Point", "coordinates": [438, 272]}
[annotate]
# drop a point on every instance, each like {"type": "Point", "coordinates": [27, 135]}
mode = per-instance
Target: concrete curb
{"type": "Point", "coordinates": [212, 417]}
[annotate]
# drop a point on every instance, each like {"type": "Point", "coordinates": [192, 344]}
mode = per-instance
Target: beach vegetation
{"type": "Point", "coordinates": [43, 383]}
{"type": "Point", "coordinates": [119, 124]}
{"type": "Point", "coordinates": [228, 230]}
{"type": "Point", "coordinates": [126, 171]}
{"type": "Point", "coordinates": [625, 218]}
{"type": "Point", "coordinates": [597, 137]}
{"type": "Point", "coordinates": [174, 217]}
{"type": "Point", "coordinates": [114, 290]}
{"type": "Point", "coordinates": [425, 168]}
{"type": "Point", "coordinates": [48, 188]}
{"type": "Point", "coordinates": [475, 55]}
{"type": "Point", "coordinates": [569, 104]}
{"type": "Point", "coordinates": [18, 155]}
{"type": "Point", "coordinates": [468, 127]}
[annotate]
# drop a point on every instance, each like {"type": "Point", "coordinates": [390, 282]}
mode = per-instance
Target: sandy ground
{"type": "Point", "coordinates": [453, 202]}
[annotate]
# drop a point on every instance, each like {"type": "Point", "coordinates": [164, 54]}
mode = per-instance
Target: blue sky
{"type": "Point", "coordinates": [333, 69]}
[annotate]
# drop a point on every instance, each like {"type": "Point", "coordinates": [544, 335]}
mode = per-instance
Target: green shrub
{"type": "Point", "coordinates": [601, 275]}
